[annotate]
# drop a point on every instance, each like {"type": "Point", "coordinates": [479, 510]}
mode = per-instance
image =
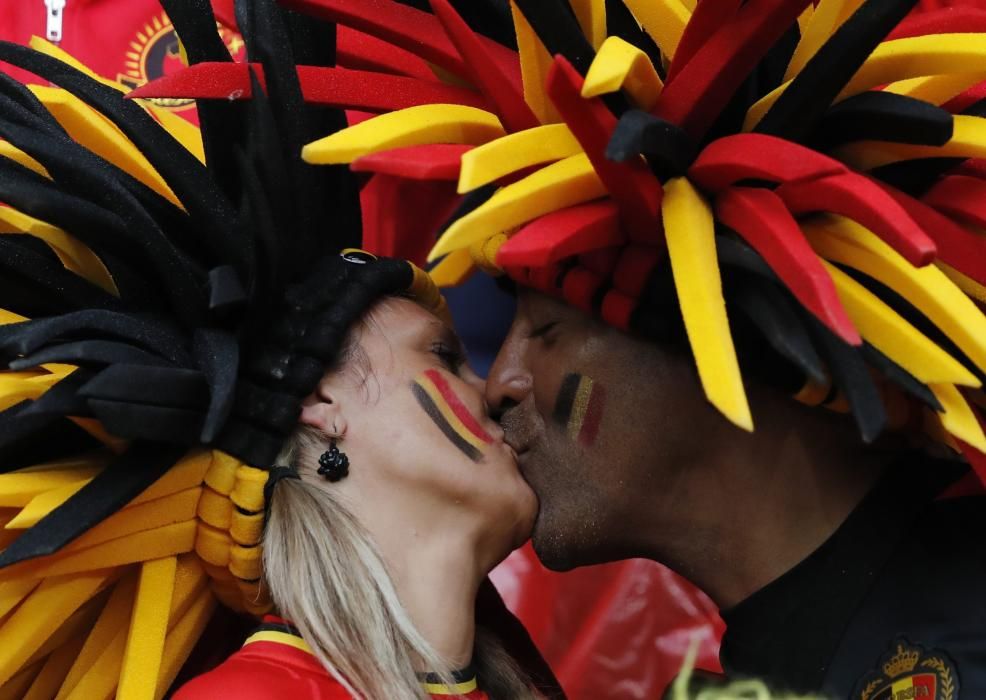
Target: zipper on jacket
{"type": "Point", "coordinates": [56, 8]}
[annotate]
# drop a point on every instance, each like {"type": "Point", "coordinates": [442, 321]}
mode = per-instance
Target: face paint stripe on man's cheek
{"type": "Point", "coordinates": [579, 408]}
{"type": "Point", "coordinates": [441, 414]}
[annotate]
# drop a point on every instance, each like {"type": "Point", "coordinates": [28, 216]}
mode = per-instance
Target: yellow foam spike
{"type": "Point", "coordinates": [77, 625]}
{"type": "Point", "coordinates": [413, 126]}
{"type": "Point", "coordinates": [100, 680]}
{"type": "Point", "coordinates": [18, 488]}
{"type": "Point", "coordinates": [49, 49]}
{"type": "Point", "coordinates": [664, 20]}
{"type": "Point", "coordinates": [690, 232]}
{"type": "Point", "coordinates": [966, 284]}
{"type": "Point", "coordinates": [10, 317]}
{"type": "Point", "coordinates": [16, 387]}
{"type": "Point", "coordinates": [148, 629]}
{"type": "Point", "coordinates": [53, 673]}
{"type": "Point", "coordinates": [889, 333]}
{"type": "Point", "coordinates": [41, 614]}
{"type": "Point", "coordinates": [844, 241]}
{"type": "Point", "coordinates": [957, 418]}
{"type": "Point", "coordinates": [97, 133]}
{"type": "Point", "coordinates": [620, 64]}
{"type": "Point", "coordinates": [454, 269]}
{"type": "Point", "coordinates": [968, 141]}
{"type": "Point", "coordinates": [591, 15]}
{"type": "Point", "coordinates": [9, 150]}
{"type": "Point", "coordinates": [187, 473]}
{"type": "Point", "coordinates": [892, 61]}
{"type": "Point", "coordinates": [563, 184]}
{"type": "Point", "coordinates": [508, 154]}
{"type": "Point", "coordinates": [936, 89]}
{"type": "Point", "coordinates": [17, 687]}
{"type": "Point", "coordinates": [805, 17]}
{"type": "Point", "coordinates": [13, 591]}
{"type": "Point", "coordinates": [535, 62]}
{"type": "Point", "coordinates": [827, 17]}
{"type": "Point", "coordinates": [182, 638]}
{"type": "Point", "coordinates": [42, 504]}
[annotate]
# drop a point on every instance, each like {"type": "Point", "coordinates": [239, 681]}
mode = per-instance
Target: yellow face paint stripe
{"type": "Point", "coordinates": [580, 407]}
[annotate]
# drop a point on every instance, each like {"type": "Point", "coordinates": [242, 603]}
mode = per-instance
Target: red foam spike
{"type": "Point", "coordinates": [411, 29]}
{"type": "Point", "coordinates": [387, 228]}
{"type": "Point", "coordinates": [760, 217]}
{"type": "Point", "coordinates": [484, 72]}
{"type": "Point", "coordinates": [957, 247]}
{"type": "Point", "coordinates": [618, 309]}
{"type": "Point", "coordinates": [579, 288]}
{"type": "Point", "coordinates": [974, 167]}
{"type": "Point", "coordinates": [858, 198]}
{"type": "Point", "coordinates": [438, 161]}
{"type": "Point", "coordinates": [331, 87]}
{"type": "Point", "coordinates": [546, 279]}
{"type": "Point", "coordinates": [564, 233]}
{"type": "Point", "coordinates": [632, 185]}
{"type": "Point", "coordinates": [960, 197]}
{"type": "Point", "coordinates": [697, 95]}
{"type": "Point", "coordinates": [758, 157]}
{"type": "Point", "coordinates": [634, 268]}
{"type": "Point", "coordinates": [602, 261]}
{"type": "Point", "coordinates": [966, 99]}
{"type": "Point", "coordinates": [360, 51]}
{"type": "Point", "coordinates": [708, 18]}
{"type": "Point", "coordinates": [946, 20]}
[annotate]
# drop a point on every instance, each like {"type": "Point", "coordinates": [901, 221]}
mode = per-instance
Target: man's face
{"type": "Point", "coordinates": [597, 418]}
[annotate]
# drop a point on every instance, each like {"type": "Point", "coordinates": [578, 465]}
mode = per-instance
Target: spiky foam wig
{"type": "Point", "coordinates": [812, 174]}
{"type": "Point", "coordinates": [185, 291]}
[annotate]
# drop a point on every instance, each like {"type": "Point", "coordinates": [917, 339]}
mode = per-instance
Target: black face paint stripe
{"type": "Point", "coordinates": [432, 410]}
{"type": "Point", "coordinates": [566, 398]}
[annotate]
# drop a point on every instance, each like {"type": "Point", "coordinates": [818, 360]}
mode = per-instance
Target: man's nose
{"type": "Point", "coordinates": [508, 383]}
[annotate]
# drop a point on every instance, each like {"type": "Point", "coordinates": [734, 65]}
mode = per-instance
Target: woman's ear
{"type": "Point", "coordinates": [324, 410]}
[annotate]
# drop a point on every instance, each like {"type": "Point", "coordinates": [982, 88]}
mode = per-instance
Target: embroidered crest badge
{"type": "Point", "coordinates": [909, 671]}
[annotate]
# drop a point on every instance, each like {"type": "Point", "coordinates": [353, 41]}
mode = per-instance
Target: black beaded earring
{"type": "Point", "coordinates": [333, 464]}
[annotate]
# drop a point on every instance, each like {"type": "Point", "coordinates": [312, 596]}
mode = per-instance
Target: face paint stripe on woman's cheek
{"type": "Point", "coordinates": [579, 408]}
{"type": "Point", "coordinates": [441, 414]}
{"type": "Point", "coordinates": [468, 421]}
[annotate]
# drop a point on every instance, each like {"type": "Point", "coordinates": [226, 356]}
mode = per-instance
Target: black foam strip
{"type": "Point", "coordinates": [26, 440]}
{"type": "Point", "coordinates": [732, 252]}
{"type": "Point", "coordinates": [559, 31]}
{"type": "Point", "coordinates": [158, 386]}
{"type": "Point", "coordinates": [88, 353]}
{"type": "Point", "coordinates": [901, 377]}
{"type": "Point", "coordinates": [62, 399]}
{"type": "Point", "coordinates": [134, 421]}
{"type": "Point", "coordinates": [668, 148]}
{"type": "Point", "coordinates": [217, 354]}
{"type": "Point", "coordinates": [801, 107]}
{"type": "Point", "coordinates": [470, 201]}
{"type": "Point", "coordinates": [883, 116]}
{"type": "Point", "coordinates": [129, 474]}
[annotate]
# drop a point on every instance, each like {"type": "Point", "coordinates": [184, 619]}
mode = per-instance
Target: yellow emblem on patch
{"type": "Point", "coordinates": [909, 672]}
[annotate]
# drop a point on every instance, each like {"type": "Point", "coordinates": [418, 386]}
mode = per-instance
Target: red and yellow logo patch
{"type": "Point", "coordinates": [908, 672]}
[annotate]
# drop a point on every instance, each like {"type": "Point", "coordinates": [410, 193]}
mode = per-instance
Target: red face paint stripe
{"type": "Point", "coordinates": [458, 408]}
{"type": "Point", "coordinates": [593, 416]}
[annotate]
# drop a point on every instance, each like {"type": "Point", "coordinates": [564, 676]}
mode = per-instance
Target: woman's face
{"type": "Point", "coordinates": [424, 454]}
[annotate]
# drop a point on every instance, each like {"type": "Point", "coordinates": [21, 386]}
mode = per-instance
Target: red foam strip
{"type": "Point", "coordinates": [618, 309]}
{"type": "Point", "coordinates": [387, 228]}
{"type": "Point", "coordinates": [547, 279]}
{"type": "Point", "coordinates": [485, 73]}
{"type": "Point", "coordinates": [631, 185]}
{"type": "Point", "coordinates": [946, 20]}
{"type": "Point", "coordinates": [580, 286]}
{"type": "Point", "coordinates": [960, 197]}
{"type": "Point", "coordinates": [602, 262]}
{"type": "Point", "coordinates": [360, 51]}
{"type": "Point", "coordinates": [974, 167]}
{"type": "Point", "coordinates": [411, 29]}
{"type": "Point", "coordinates": [858, 198]}
{"type": "Point", "coordinates": [708, 18]}
{"type": "Point", "coordinates": [963, 101]}
{"type": "Point", "coordinates": [961, 249]}
{"type": "Point", "coordinates": [760, 217]}
{"type": "Point", "coordinates": [438, 161]}
{"type": "Point", "coordinates": [563, 233]}
{"type": "Point", "coordinates": [758, 157]}
{"type": "Point", "coordinates": [332, 87]}
{"type": "Point", "coordinates": [634, 267]}
{"type": "Point", "coordinates": [455, 403]}
{"type": "Point", "coordinates": [705, 85]}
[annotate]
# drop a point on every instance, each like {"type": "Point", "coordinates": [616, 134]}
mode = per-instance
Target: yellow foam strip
{"type": "Point", "coordinates": [9, 150]}
{"type": "Point", "coordinates": [182, 638]}
{"type": "Point", "coordinates": [17, 687]}
{"type": "Point", "coordinates": [690, 232]}
{"type": "Point", "coordinates": [42, 504]}
{"type": "Point", "coordinates": [13, 591]}
{"type": "Point", "coordinates": [805, 17]}
{"type": "Point", "coordinates": [148, 629]}
{"type": "Point", "coordinates": [41, 614]}
{"type": "Point", "coordinates": [149, 544]}
{"type": "Point", "coordinates": [76, 626]}
{"type": "Point", "coordinates": [454, 269]}
{"type": "Point", "coordinates": [508, 154]}
{"type": "Point", "coordinates": [957, 418]}
{"type": "Point", "coordinates": [936, 89]}
{"type": "Point", "coordinates": [49, 49]}
{"type": "Point", "coordinates": [966, 284]}
{"type": "Point", "coordinates": [413, 126]}
{"type": "Point", "coordinates": [896, 338]}
{"type": "Point", "coordinates": [563, 184]}
{"type": "Point", "coordinates": [927, 288]}
{"type": "Point", "coordinates": [101, 679]}
{"type": "Point", "coordinates": [73, 254]}
{"type": "Point", "coordinates": [620, 64]}
{"type": "Point", "coordinates": [664, 20]}
{"type": "Point", "coordinates": [18, 488]}
{"type": "Point", "coordinates": [55, 669]}
{"type": "Point", "coordinates": [892, 61]}
{"type": "Point", "coordinates": [16, 387]}
{"type": "Point", "coordinates": [97, 133]}
{"type": "Point", "coordinates": [10, 317]}
{"type": "Point", "coordinates": [592, 18]}
{"type": "Point", "coordinates": [187, 473]}
{"type": "Point", "coordinates": [968, 141]}
{"type": "Point", "coordinates": [535, 62]}
{"type": "Point", "coordinates": [828, 16]}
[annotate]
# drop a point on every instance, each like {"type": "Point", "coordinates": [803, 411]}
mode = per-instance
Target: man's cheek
{"type": "Point", "coordinates": [578, 408]}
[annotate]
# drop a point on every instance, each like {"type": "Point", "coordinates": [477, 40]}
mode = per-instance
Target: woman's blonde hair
{"type": "Point", "coordinates": [326, 576]}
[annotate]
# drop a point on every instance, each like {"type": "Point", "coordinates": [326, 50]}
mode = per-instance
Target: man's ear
{"type": "Point", "coordinates": [324, 410]}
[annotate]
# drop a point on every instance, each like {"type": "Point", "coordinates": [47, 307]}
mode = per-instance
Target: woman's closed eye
{"type": "Point", "coordinates": [450, 355]}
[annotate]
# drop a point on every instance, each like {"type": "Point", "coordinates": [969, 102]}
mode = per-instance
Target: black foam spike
{"type": "Point", "coordinates": [669, 148]}
{"type": "Point", "coordinates": [89, 353]}
{"type": "Point", "coordinates": [160, 386]}
{"type": "Point", "coordinates": [901, 377]}
{"type": "Point", "coordinates": [883, 116]}
{"type": "Point", "coordinates": [218, 357]}
{"type": "Point", "coordinates": [559, 31]}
